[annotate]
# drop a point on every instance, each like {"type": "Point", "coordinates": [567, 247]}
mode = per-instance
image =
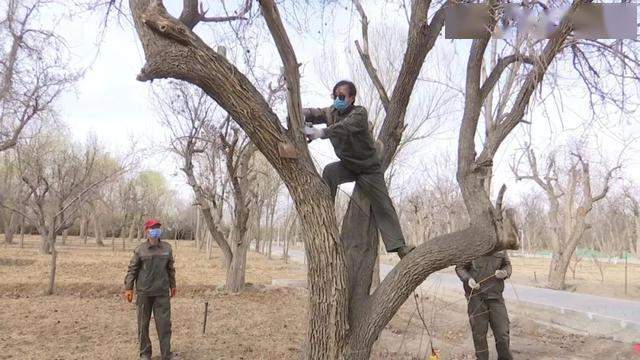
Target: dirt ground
{"type": "Point", "coordinates": [87, 318]}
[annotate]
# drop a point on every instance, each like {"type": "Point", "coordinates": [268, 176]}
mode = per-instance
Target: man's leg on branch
{"type": "Point", "coordinates": [384, 212]}
{"type": "Point", "coordinates": [335, 174]}
{"type": "Point", "coordinates": [479, 320]}
{"type": "Point", "coordinates": [499, 320]}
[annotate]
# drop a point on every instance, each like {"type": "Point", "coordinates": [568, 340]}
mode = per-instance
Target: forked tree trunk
{"type": "Point", "coordinates": [561, 257]}
{"type": "Point", "coordinates": [237, 269]}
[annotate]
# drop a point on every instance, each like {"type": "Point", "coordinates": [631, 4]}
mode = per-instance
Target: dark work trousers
{"type": "Point", "coordinates": [482, 313]}
{"type": "Point", "coordinates": [161, 307]}
{"type": "Point", "coordinates": [375, 189]}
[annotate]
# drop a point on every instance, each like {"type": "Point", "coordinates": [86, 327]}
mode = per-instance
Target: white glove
{"type": "Point", "coordinates": [313, 133]}
{"type": "Point", "coordinates": [473, 284]}
{"type": "Point", "coordinates": [501, 274]}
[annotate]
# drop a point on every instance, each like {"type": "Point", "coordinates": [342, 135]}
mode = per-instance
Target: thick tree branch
{"type": "Point", "coordinates": [431, 256]}
{"type": "Point", "coordinates": [421, 39]}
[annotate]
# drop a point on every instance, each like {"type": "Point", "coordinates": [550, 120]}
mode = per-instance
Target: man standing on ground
{"type": "Point", "coordinates": [483, 281]}
{"type": "Point", "coordinates": [352, 139]}
{"type": "Point", "coordinates": [152, 269]}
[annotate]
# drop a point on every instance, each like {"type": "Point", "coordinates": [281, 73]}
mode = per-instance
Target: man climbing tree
{"type": "Point", "coordinates": [483, 281]}
{"type": "Point", "coordinates": [350, 135]}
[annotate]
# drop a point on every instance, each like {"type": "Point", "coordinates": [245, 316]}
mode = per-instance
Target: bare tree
{"type": "Point", "coordinates": [34, 69]}
{"type": "Point", "coordinates": [13, 192]}
{"type": "Point", "coordinates": [336, 329]}
{"type": "Point", "coordinates": [190, 116]}
{"type": "Point", "coordinates": [570, 197]}
{"type": "Point", "coordinates": [635, 209]}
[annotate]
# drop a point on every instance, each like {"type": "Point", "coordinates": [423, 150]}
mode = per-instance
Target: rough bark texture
{"type": "Point", "coordinates": [52, 270]}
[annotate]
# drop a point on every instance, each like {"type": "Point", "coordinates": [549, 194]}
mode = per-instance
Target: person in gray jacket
{"type": "Point", "coordinates": [153, 272]}
{"type": "Point", "coordinates": [352, 139]}
{"type": "Point", "coordinates": [483, 282]}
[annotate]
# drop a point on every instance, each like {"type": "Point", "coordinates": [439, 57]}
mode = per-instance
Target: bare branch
{"type": "Point", "coordinates": [366, 57]}
{"type": "Point", "coordinates": [192, 14]}
{"type": "Point", "coordinates": [497, 71]}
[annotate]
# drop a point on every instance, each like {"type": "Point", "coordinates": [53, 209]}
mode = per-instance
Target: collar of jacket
{"type": "Point", "coordinates": [150, 245]}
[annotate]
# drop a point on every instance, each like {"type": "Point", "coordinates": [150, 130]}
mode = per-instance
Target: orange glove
{"type": "Point", "coordinates": [173, 292]}
{"type": "Point", "coordinates": [128, 295]}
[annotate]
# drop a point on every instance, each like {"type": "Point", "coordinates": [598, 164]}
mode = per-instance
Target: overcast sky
{"type": "Point", "coordinates": [111, 104]}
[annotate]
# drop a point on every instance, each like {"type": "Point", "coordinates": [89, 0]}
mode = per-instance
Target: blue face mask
{"type": "Point", "coordinates": [340, 105]}
{"type": "Point", "coordinates": [155, 233]}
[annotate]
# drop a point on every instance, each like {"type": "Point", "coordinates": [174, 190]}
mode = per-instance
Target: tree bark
{"type": "Point", "coordinates": [236, 272]}
{"type": "Point", "coordinates": [558, 270]}
{"type": "Point", "coordinates": [22, 225]}
{"type": "Point", "coordinates": [10, 228]}
{"type": "Point", "coordinates": [52, 271]}
{"type": "Point", "coordinates": [97, 232]}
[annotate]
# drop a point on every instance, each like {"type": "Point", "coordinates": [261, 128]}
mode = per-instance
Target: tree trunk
{"type": "Point", "coordinates": [375, 276]}
{"type": "Point", "coordinates": [52, 269]}
{"type": "Point", "coordinates": [558, 270]}
{"type": "Point", "coordinates": [22, 225]}
{"type": "Point", "coordinates": [272, 232]}
{"type": "Point", "coordinates": [82, 227]}
{"type": "Point", "coordinates": [97, 231]}
{"type": "Point", "coordinates": [209, 246]}
{"type": "Point", "coordinates": [10, 228]}
{"type": "Point", "coordinates": [132, 229]}
{"type": "Point", "coordinates": [44, 242]}
{"type": "Point", "coordinates": [236, 272]}
{"type": "Point", "coordinates": [65, 233]}
{"type": "Point", "coordinates": [85, 231]}
{"type": "Point", "coordinates": [257, 232]}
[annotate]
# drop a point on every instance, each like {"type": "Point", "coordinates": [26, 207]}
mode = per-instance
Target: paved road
{"type": "Point", "coordinates": [616, 310]}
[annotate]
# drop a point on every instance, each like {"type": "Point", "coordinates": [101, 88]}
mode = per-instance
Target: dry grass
{"type": "Point", "coordinates": [87, 318]}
